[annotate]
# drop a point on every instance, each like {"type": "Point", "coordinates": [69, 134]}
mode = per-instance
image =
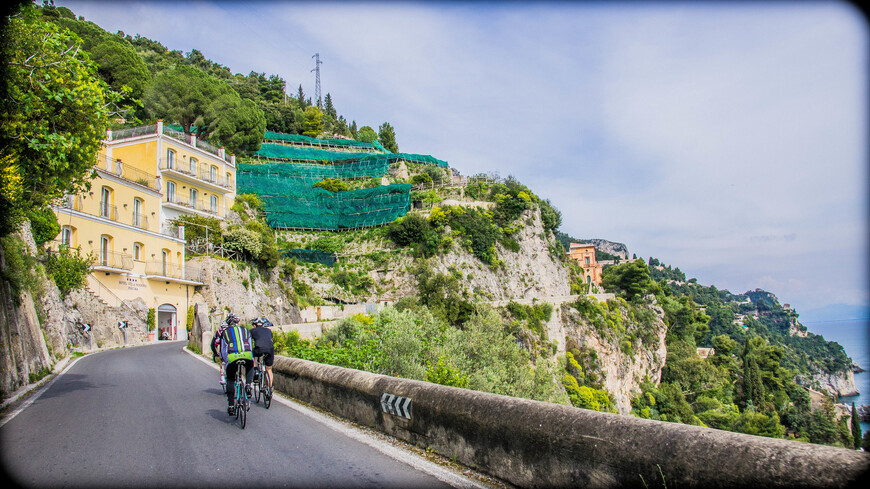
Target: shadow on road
{"type": "Point", "coordinates": [71, 383]}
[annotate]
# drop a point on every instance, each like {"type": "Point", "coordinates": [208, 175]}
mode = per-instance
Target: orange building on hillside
{"type": "Point", "coordinates": [584, 254]}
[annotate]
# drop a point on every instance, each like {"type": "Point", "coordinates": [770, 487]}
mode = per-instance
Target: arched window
{"type": "Point", "coordinates": [164, 262]}
{"type": "Point", "coordinates": [193, 164]}
{"type": "Point", "coordinates": [67, 236]}
{"type": "Point", "coordinates": [193, 197]}
{"type": "Point", "coordinates": [170, 159]}
{"type": "Point", "coordinates": [138, 251]}
{"type": "Point", "coordinates": [170, 191]}
{"type": "Point", "coordinates": [214, 203]}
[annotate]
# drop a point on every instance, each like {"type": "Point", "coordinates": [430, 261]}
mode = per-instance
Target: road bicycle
{"type": "Point", "coordinates": [261, 383]}
{"type": "Point", "coordinates": [241, 404]}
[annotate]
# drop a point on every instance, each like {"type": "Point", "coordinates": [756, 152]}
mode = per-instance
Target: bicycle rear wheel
{"type": "Point", "coordinates": [243, 415]}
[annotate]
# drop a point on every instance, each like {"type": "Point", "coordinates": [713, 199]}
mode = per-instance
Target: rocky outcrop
{"type": "Point", "coordinates": [841, 384]}
{"type": "Point", "coordinates": [622, 369]}
{"type": "Point", "coordinates": [23, 351]}
{"type": "Point", "coordinates": [617, 249]}
{"type": "Point", "coordinates": [528, 273]}
{"type": "Point", "coordinates": [236, 287]}
{"type": "Point", "coordinates": [531, 272]}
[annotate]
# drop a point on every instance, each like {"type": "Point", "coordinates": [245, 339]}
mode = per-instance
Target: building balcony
{"type": "Point", "coordinates": [162, 129]}
{"type": "Point", "coordinates": [112, 262]}
{"type": "Point", "coordinates": [199, 176]}
{"type": "Point", "coordinates": [127, 172]}
{"type": "Point", "coordinates": [73, 202]}
{"type": "Point", "coordinates": [160, 270]}
{"type": "Point", "coordinates": [108, 211]}
{"type": "Point", "coordinates": [140, 221]}
{"type": "Point", "coordinates": [188, 205]}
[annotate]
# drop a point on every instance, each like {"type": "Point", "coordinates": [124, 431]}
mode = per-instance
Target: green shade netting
{"type": "Point", "coordinates": [312, 172]}
{"type": "Point", "coordinates": [283, 152]}
{"type": "Point", "coordinates": [293, 203]}
{"type": "Point", "coordinates": [285, 183]}
{"type": "Point", "coordinates": [298, 138]}
{"type": "Point", "coordinates": [309, 256]}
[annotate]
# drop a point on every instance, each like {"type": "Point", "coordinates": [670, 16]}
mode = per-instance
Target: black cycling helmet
{"type": "Point", "coordinates": [257, 322]}
{"type": "Point", "coordinates": [266, 323]}
{"type": "Point", "coordinates": [232, 319]}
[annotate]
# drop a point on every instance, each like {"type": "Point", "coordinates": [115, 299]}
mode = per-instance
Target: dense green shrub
{"type": "Point", "coordinates": [43, 225]}
{"type": "Point", "coordinates": [421, 179]}
{"type": "Point", "coordinates": [332, 184]}
{"type": "Point", "coordinates": [253, 202]}
{"type": "Point", "coordinates": [68, 268]}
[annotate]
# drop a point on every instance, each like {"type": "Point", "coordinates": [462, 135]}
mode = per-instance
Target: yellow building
{"type": "Point", "coordinates": [146, 177]}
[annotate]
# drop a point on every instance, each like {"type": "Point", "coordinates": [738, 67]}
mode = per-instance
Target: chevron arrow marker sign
{"type": "Point", "coordinates": [396, 405]}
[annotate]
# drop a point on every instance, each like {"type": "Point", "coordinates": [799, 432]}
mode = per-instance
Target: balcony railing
{"type": "Point", "coordinates": [197, 205]}
{"type": "Point", "coordinates": [113, 259]}
{"type": "Point", "coordinates": [136, 175]}
{"type": "Point", "coordinates": [203, 175]}
{"type": "Point", "coordinates": [140, 221]}
{"type": "Point", "coordinates": [108, 211]}
{"type": "Point", "coordinates": [163, 269]}
{"type": "Point", "coordinates": [132, 132]}
{"type": "Point", "coordinates": [73, 202]}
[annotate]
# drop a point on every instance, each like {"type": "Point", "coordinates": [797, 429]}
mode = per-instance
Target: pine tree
{"type": "Point", "coordinates": [300, 97]}
{"type": "Point", "coordinates": [387, 136]}
{"type": "Point", "coordinates": [856, 427]}
{"type": "Point", "coordinates": [329, 109]}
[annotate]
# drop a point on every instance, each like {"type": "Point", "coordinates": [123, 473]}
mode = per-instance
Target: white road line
{"type": "Point", "coordinates": [444, 475]}
{"type": "Point", "coordinates": [35, 396]}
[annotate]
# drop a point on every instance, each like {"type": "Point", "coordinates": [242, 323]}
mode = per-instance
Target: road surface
{"type": "Point", "coordinates": [155, 416]}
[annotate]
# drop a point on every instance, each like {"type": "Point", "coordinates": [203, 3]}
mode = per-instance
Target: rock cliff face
{"type": "Point", "coordinates": [528, 273]}
{"type": "Point", "coordinates": [622, 371]}
{"type": "Point", "coordinates": [839, 383]}
{"type": "Point", "coordinates": [617, 249]}
{"type": "Point", "coordinates": [234, 287]}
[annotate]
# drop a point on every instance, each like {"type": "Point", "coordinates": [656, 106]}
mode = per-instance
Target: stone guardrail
{"type": "Point", "coordinates": [537, 444]}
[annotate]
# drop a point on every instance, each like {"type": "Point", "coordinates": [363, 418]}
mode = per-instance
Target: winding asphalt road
{"type": "Point", "coordinates": [155, 416]}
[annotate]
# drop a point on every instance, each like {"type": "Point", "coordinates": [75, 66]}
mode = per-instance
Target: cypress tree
{"type": "Point", "coordinates": [856, 427]}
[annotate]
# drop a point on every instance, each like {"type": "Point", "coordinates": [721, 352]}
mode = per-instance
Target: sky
{"type": "Point", "coordinates": [728, 139]}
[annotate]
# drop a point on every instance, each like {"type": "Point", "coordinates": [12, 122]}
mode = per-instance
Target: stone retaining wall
{"type": "Point", "coordinates": [535, 444]}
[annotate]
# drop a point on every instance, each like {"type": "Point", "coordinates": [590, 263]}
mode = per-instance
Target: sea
{"type": "Point", "coordinates": [854, 335]}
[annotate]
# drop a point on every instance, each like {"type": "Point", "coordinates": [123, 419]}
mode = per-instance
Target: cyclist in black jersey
{"type": "Point", "coordinates": [263, 344]}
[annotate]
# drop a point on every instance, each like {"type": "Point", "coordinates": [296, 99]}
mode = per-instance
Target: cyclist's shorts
{"type": "Point", "coordinates": [268, 356]}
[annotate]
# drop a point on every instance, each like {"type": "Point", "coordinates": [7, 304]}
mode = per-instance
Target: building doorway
{"type": "Point", "coordinates": [167, 322]}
